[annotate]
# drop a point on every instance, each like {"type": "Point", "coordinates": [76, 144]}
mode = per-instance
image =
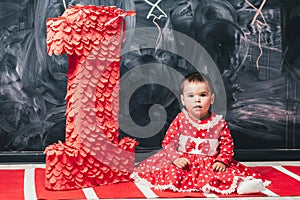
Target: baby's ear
{"type": "Point", "coordinates": [212, 98]}
{"type": "Point", "coordinates": [182, 99]}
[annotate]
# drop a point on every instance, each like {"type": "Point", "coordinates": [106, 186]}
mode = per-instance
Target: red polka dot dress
{"type": "Point", "coordinates": [203, 143]}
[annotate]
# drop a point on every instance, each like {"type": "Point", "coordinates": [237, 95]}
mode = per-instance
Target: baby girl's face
{"type": "Point", "coordinates": [197, 98]}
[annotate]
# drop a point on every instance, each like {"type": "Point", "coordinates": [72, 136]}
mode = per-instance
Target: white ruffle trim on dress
{"type": "Point", "coordinates": [214, 121]}
{"type": "Point", "coordinates": [205, 189]}
{"type": "Point", "coordinates": [144, 182]}
{"type": "Point", "coordinates": [208, 188]}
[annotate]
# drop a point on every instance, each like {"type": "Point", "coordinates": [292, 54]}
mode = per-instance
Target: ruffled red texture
{"type": "Point", "coordinates": [92, 153]}
{"type": "Point", "coordinates": [82, 28]}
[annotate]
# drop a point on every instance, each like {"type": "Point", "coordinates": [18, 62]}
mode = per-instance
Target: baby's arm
{"type": "Point", "coordinates": [226, 147]}
{"type": "Point", "coordinates": [170, 142]}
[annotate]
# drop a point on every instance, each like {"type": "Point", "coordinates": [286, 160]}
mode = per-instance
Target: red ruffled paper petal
{"type": "Point", "coordinates": [86, 25]}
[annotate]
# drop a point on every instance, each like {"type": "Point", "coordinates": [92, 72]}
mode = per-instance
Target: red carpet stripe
{"type": "Point", "coordinates": [270, 193]}
{"type": "Point", "coordinates": [42, 193]}
{"type": "Point", "coordinates": [19, 184]}
{"type": "Point", "coordinates": [210, 195]}
{"type": "Point", "coordinates": [281, 184]}
{"type": "Point", "coordinates": [294, 169]}
{"type": "Point", "coordinates": [286, 171]}
{"type": "Point", "coordinates": [232, 195]}
{"type": "Point", "coordinates": [12, 184]}
{"type": "Point", "coordinates": [90, 194]}
{"type": "Point", "coordinates": [118, 190]}
{"type": "Point", "coordinates": [170, 194]}
{"type": "Point", "coordinates": [147, 192]}
{"type": "Point", "coordinates": [29, 185]}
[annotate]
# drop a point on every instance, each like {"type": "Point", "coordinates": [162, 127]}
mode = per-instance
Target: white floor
{"type": "Point", "coordinates": [291, 163]}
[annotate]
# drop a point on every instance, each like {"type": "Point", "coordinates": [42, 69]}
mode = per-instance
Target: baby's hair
{"type": "Point", "coordinates": [197, 77]}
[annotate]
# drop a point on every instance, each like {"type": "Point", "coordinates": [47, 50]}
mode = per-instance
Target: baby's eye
{"type": "Point", "coordinates": [203, 95]}
{"type": "Point", "coordinates": [190, 95]}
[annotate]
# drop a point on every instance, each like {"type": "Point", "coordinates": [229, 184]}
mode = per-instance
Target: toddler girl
{"type": "Point", "coordinates": [197, 153]}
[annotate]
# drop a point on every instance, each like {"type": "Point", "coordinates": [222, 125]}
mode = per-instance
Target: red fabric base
{"type": "Point", "coordinates": [282, 184]}
{"type": "Point", "coordinates": [14, 186]}
{"type": "Point", "coordinates": [11, 184]}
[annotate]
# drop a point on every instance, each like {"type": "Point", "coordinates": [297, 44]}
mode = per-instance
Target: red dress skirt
{"type": "Point", "coordinates": [203, 143]}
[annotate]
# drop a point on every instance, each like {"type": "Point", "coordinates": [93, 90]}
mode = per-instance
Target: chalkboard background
{"type": "Point", "coordinates": [257, 59]}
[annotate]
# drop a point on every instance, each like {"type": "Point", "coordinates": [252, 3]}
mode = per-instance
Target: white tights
{"type": "Point", "coordinates": [250, 186]}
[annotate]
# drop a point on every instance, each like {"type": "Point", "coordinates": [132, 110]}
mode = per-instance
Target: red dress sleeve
{"type": "Point", "coordinates": [171, 139]}
{"type": "Point", "coordinates": [226, 146]}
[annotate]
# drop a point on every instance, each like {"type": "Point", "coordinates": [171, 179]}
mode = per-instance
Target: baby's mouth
{"type": "Point", "coordinates": [197, 107]}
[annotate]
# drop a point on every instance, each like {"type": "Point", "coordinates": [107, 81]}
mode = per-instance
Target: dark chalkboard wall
{"type": "Point", "coordinates": [258, 61]}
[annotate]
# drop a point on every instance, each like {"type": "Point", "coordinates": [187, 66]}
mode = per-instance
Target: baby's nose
{"type": "Point", "coordinates": [197, 99]}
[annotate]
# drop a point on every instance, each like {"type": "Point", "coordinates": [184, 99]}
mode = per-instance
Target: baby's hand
{"type": "Point", "coordinates": [219, 167]}
{"type": "Point", "coordinates": [182, 162]}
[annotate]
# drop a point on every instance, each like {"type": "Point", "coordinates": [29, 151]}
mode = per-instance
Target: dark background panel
{"type": "Point", "coordinates": [32, 84]}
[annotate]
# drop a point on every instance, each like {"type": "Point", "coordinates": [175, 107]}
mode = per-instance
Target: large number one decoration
{"type": "Point", "coordinates": [92, 153]}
